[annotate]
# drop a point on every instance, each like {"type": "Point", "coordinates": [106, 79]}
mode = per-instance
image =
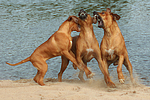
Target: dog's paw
{"type": "Point", "coordinates": [111, 85]}
{"type": "Point", "coordinates": [91, 75]}
{"type": "Point", "coordinates": [121, 81]}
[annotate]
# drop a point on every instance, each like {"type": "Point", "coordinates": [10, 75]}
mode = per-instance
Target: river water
{"type": "Point", "coordinates": [25, 24]}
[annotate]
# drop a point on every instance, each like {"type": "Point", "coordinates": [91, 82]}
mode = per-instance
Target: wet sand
{"type": "Point", "coordinates": [27, 89]}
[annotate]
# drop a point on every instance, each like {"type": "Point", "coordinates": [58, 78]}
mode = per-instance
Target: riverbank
{"type": "Point", "coordinates": [27, 89]}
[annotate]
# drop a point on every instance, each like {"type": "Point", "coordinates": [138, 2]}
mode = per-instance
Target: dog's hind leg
{"type": "Point", "coordinates": [74, 66]}
{"type": "Point", "coordinates": [36, 78]}
{"type": "Point", "coordinates": [81, 72]}
{"type": "Point", "coordinates": [42, 69]}
{"type": "Point", "coordinates": [64, 65]}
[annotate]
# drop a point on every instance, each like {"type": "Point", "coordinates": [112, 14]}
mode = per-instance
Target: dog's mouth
{"type": "Point", "coordinates": [99, 19]}
{"type": "Point", "coordinates": [82, 14]}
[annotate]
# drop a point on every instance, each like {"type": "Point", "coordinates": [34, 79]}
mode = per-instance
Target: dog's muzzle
{"type": "Point", "coordinates": [99, 19]}
{"type": "Point", "coordinates": [82, 14]}
{"type": "Point", "coordinates": [95, 14]}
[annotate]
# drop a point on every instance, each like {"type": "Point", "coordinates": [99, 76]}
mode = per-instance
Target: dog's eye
{"type": "Point", "coordinates": [103, 13]}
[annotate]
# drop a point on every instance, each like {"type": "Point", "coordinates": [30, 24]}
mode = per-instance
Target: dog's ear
{"type": "Point", "coordinates": [69, 18]}
{"type": "Point", "coordinates": [75, 19]}
{"type": "Point", "coordinates": [108, 10]}
{"type": "Point", "coordinates": [115, 16]}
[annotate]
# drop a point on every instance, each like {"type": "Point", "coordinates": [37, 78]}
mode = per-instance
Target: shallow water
{"type": "Point", "coordinates": [25, 24]}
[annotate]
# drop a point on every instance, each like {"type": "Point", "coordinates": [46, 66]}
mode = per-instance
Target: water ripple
{"type": "Point", "coordinates": [25, 24]}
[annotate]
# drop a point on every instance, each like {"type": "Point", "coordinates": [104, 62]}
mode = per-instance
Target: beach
{"type": "Point", "coordinates": [27, 89]}
{"type": "Point", "coordinates": [25, 24]}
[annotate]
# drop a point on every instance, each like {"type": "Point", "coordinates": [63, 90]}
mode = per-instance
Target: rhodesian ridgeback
{"type": "Point", "coordinates": [113, 49]}
{"type": "Point", "coordinates": [59, 44]}
{"type": "Point", "coordinates": [85, 47]}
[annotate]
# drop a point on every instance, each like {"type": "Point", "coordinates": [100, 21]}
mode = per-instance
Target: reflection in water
{"type": "Point", "coordinates": [25, 24]}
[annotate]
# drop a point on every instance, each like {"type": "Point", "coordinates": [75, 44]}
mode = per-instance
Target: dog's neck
{"type": "Point", "coordinates": [65, 28]}
{"type": "Point", "coordinates": [112, 30]}
{"type": "Point", "coordinates": [87, 31]}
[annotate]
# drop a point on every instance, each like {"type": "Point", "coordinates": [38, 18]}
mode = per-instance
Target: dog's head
{"type": "Point", "coordinates": [74, 23]}
{"type": "Point", "coordinates": [105, 18]}
{"type": "Point", "coordinates": [82, 14]}
{"type": "Point", "coordinates": [86, 17]}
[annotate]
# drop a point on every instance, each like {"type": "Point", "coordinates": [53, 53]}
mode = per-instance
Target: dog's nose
{"type": "Point", "coordinates": [81, 13]}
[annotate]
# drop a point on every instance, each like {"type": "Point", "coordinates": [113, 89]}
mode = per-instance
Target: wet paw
{"type": "Point", "coordinates": [121, 81]}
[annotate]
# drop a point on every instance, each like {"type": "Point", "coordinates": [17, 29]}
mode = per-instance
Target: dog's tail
{"type": "Point", "coordinates": [23, 61]}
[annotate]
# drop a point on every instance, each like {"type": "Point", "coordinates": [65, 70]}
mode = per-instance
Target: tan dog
{"type": "Point", "coordinates": [85, 47]}
{"type": "Point", "coordinates": [113, 47]}
{"type": "Point", "coordinates": [59, 44]}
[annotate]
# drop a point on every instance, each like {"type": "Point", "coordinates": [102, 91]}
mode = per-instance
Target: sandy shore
{"type": "Point", "coordinates": [27, 89]}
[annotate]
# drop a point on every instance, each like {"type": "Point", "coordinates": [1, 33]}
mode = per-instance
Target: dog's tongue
{"type": "Point", "coordinates": [100, 23]}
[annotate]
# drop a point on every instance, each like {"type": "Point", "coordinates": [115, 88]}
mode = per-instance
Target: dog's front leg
{"type": "Point", "coordinates": [74, 66]}
{"type": "Point", "coordinates": [83, 67]}
{"type": "Point", "coordinates": [119, 69]}
{"type": "Point", "coordinates": [106, 74]}
{"type": "Point", "coordinates": [71, 58]}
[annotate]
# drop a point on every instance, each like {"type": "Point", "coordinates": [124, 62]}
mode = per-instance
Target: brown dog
{"type": "Point", "coordinates": [59, 44]}
{"type": "Point", "coordinates": [113, 47]}
{"type": "Point", "coordinates": [85, 47]}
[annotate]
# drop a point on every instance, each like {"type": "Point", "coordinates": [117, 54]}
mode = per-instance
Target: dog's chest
{"type": "Point", "coordinates": [89, 50]}
{"type": "Point", "coordinates": [110, 53]}
{"type": "Point", "coordinates": [89, 54]}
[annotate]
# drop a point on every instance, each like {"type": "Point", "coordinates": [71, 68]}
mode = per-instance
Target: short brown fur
{"type": "Point", "coordinates": [59, 44]}
{"type": "Point", "coordinates": [113, 49]}
{"type": "Point", "coordinates": [81, 44]}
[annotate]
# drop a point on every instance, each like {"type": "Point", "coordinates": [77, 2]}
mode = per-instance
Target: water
{"type": "Point", "coordinates": [25, 24]}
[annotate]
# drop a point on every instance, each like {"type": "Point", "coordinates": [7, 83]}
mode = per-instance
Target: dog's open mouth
{"type": "Point", "coordinates": [100, 23]}
{"type": "Point", "coordinates": [82, 14]}
{"type": "Point", "coordinates": [99, 19]}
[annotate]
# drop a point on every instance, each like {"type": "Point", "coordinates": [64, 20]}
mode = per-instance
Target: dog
{"type": "Point", "coordinates": [85, 47]}
{"type": "Point", "coordinates": [59, 44]}
{"type": "Point", "coordinates": [113, 49]}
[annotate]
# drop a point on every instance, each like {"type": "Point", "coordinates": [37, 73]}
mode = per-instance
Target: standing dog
{"type": "Point", "coordinates": [113, 47]}
{"type": "Point", "coordinates": [85, 47]}
{"type": "Point", "coordinates": [59, 44]}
